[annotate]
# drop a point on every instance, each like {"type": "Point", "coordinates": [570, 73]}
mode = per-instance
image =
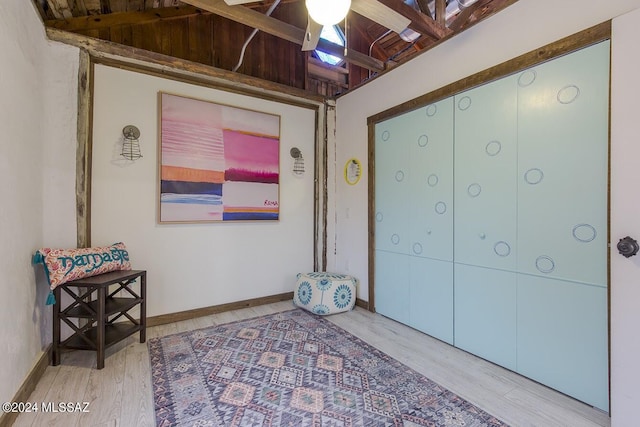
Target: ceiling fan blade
{"type": "Point", "coordinates": [311, 35]}
{"type": "Point", "coordinates": [235, 2]}
{"type": "Point", "coordinates": [381, 14]}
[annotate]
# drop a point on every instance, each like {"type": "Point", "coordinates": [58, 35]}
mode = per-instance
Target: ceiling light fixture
{"type": "Point", "coordinates": [328, 12]}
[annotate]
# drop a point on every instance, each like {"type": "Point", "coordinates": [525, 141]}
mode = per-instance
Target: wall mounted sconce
{"type": "Point", "coordinates": [298, 161]}
{"type": "Point", "coordinates": [131, 143]}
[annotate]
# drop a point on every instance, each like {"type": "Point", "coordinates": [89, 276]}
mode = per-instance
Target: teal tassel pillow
{"type": "Point", "coordinates": [64, 265]}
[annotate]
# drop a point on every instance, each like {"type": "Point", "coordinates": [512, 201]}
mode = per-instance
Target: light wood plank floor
{"type": "Point", "coordinates": [120, 394]}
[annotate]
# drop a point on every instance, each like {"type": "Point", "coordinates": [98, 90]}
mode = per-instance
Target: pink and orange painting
{"type": "Point", "coordinates": [217, 162]}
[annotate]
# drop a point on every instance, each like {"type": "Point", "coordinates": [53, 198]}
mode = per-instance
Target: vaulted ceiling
{"type": "Point", "coordinates": [211, 32]}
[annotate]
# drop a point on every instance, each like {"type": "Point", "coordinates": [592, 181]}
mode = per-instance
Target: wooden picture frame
{"type": "Point", "coordinates": [216, 162]}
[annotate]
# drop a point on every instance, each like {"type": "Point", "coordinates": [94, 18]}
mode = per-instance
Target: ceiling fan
{"type": "Point", "coordinates": [372, 9]}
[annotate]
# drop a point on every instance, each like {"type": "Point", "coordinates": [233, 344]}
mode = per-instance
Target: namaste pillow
{"type": "Point", "coordinates": [64, 265]}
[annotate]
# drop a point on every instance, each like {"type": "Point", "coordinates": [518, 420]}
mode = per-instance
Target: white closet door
{"type": "Point", "coordinates": [393, 138]}
{"type": "Point", "coordinates": [431, 297]}
{"type": "Point", "coordinates": [485, 313]}
{"type": "Point", "coordinates": [485, 175]}
{"type": "Point", "coordinates": [431, 220]}
{"type": "Point", "coordinates": [562, 223]}
{"type": "Point", "coordinates": [431, 181]}
{"type": "Point", "coordinates": [563, 128]}
{"type": "Point", "coordinates": [562, 337]}
{"type": "Point", "coordinates": [515, 269]}
{"type": "Point", "coordinates": [392, 297]}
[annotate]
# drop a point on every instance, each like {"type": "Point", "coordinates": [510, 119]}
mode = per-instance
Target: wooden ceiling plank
{"type": "Point", "coordinates": [76, 6]}
{"type": "Point", "coordinates": [104, 51]}
{"type": "Point", "coordinates": [60, 9]}
{"type": "Point", "coordinates": [281, 29]}
{"type": "Point", "coordinates": [96, 22]}
{"type": "Point", "coordinates": [419, 21]}
{"type": "Point", "coordinates": [236, 2]}
{"type": "Point", "coordinates": [135, 5]}
{"type": "Point", "coordinates": [81, 8]}
{"type": "Point", "coordinates": [118, 5]}
{"type": "Point", "coordinates": [105, 6]}
{"type": "Point", "coordinates": [92, 7]}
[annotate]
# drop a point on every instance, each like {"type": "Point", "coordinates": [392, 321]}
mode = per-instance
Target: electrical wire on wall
{"type": "Point", "coordinates": [253, 34]}
{"type": "Point", "coordinates": [376, 41]}
{"type": "Point", "coordinates": [394, 56]}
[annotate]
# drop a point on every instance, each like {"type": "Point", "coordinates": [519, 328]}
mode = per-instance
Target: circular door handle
{"type": "Point", "coordinates": [628, 247]}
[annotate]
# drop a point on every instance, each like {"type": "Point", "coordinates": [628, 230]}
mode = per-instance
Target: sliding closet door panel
{"type": "Point", "coordinates": [392, 285]}
{"type": "Point", "coordinates": [393, 138]}
{"type": "Point", "coordinates": [562, 167]}
{"type": "Point", "coordinates": [485, 313]}
{"type": "Point", "coordinates": [431, 182]}
{"type": "Point", "coordinates": [562, 337]}
{"type": "Point", "coordinates": [485, 175]}
{"type": "Point", "coordinates": [431, 297]}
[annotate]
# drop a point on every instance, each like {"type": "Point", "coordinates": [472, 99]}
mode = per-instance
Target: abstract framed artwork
{"type": "Point", "coordinates": [216, 162]}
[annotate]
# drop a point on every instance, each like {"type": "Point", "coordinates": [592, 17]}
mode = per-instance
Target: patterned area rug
{"type": "Point", "coordinates": [293, 369]}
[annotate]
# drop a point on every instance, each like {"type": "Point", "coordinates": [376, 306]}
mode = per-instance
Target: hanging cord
{"type": "Point", "coordinates": [376, 41]}
{"type": "Point", "coordinates": [253, 34]}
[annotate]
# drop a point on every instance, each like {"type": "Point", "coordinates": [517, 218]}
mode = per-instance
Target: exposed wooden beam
{"type": "Point", "coordinates": [480, 10]}
{"type": "Point", "coordinates": [419, 21]}
{"type": "Point", "coordinates": [424, 7]}
{"type": "Point", "coordinates": [336, 75]}
{"type": "Point", "coordinates": [97, 22]}
{"type": "Point", "coordinates": [166, 65]}
{"type": "Point", "coordinates": [252, 19]}
{"type": "Point", "coordinates": [441, 12]}
{"type": "Point", "coordinates": [83, 152]}
{"type": "Point", "coordinates": [367, 38]}
{"type": "Point", "coordinates": [281, 29]}
{"type": "Point", "coordinates": [381, 13]}
{"type": "Point", "coordinates": [461, 18]}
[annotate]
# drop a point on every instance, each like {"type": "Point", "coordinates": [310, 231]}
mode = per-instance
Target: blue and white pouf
{"type": "Point", "coordinates": [325, 293]}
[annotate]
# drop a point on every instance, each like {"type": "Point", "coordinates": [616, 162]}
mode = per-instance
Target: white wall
{"type": "Point", "coordinates": [195, 265]}
{"type": "Point", "coordinates": [35, 78]}
{"type": "Point", "coordinates": [520, 28]}
{"type": "Point", "coordinates": [625, 218]}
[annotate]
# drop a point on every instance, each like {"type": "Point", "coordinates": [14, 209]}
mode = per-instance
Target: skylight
{"type": "Point", "coordinates": [333, 34]}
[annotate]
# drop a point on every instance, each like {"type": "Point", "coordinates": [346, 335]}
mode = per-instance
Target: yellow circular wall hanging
{"type": "Point", "coordinates": [352, 171]}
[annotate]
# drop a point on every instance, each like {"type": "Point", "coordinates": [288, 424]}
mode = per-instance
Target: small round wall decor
{"type": "Point", "coordinates": [352, 171]}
